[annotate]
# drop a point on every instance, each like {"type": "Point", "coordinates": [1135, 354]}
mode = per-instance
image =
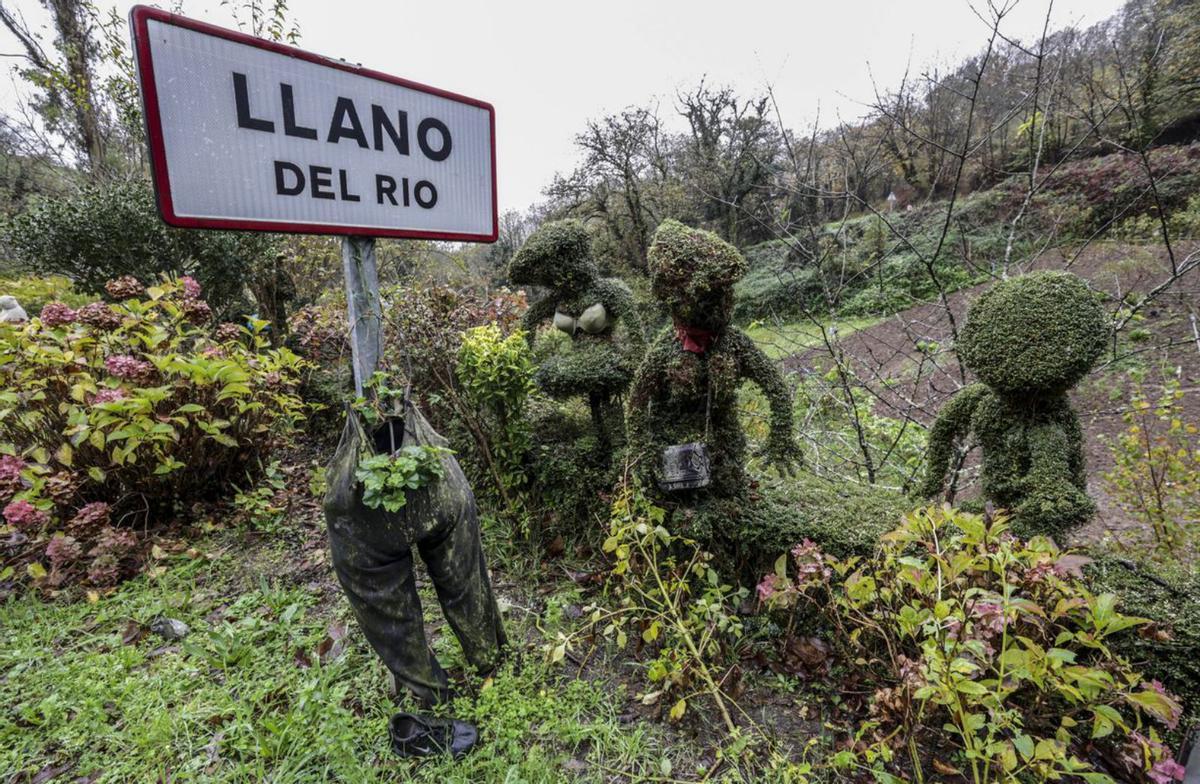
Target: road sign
{"type": "Point", "coordinates": [253, 135]}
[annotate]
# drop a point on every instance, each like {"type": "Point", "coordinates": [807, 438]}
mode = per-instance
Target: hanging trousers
{"type": "Point", "coordinates": [373, 557]}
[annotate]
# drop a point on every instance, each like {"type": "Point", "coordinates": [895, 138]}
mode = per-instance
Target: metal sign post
{"type": "Point", "coordinates": [363, 307]}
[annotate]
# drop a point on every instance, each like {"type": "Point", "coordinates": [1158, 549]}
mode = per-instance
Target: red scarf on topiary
{"type": "Point", "coordinates": [694, 339]}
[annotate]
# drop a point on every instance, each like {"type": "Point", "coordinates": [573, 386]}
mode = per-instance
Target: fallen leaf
{"type": "Point", "coordinates": [805, 656]}
{"type": "Point", "coordinates": [157, 553]}
{"type": "Point", "coordinates": [944, 769]}
{"type": "Point", "coordinates": [556, 547]}
{"type": "Point", "coordinates": [334, 643]}
{"type": "Point", "coordinates": [133, 632]}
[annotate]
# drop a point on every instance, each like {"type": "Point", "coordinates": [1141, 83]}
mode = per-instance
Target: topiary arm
{"type": "Point", "coordinates": [540, 311]}
{"type": "Point", "coordinates": [953, 422]}
{"type": "Point", "coordinates": [1052, 504]}
{"type": "Point", "coordinates": [782, 450]}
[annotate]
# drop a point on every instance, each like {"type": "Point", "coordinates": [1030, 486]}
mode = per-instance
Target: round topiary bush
{"type": "Point", "coordinates": [1039, 333]}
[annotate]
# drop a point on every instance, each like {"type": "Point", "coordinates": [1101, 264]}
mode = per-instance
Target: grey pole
{"type": "Point", "coordinates": [364, 307]}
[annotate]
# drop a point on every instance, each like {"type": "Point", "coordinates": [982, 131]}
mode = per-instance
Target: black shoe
{"type": "Point", "coordinates": [425, 736]}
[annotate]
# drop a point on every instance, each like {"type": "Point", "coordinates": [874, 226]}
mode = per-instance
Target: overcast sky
{"type": "Point", "coordinates": [550, 66]}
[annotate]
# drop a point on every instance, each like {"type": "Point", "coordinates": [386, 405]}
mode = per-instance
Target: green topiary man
{"type": "Point", "coordinates": [1029, 340]}
{"type": "Point", "coordinates": [686, 388]}
{"type": "Point", "coordinates": [587, 307]}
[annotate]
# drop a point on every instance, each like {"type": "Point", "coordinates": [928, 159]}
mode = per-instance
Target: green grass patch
{"type": "Point", "coordinates": [782, 340]}
{"type": "Point", "coordinates": [246, 697]}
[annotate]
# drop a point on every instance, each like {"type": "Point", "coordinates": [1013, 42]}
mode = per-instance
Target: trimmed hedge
{"type": "Point", "coordinates": [1169, 652]}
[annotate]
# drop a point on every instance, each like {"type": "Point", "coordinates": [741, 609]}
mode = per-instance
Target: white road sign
{"type": "Point", "coordinates": [249, 134]}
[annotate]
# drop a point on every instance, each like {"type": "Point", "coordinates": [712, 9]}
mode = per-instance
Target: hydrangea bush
{"type": "Point", "coordinates": [113, 413]}
{"type": "Point", "coordinates": [987, 648]}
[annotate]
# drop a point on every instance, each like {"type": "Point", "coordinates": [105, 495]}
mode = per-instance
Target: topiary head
{"type": "Point", "coordinates": [558, 255]}
{"type": "Point", "coordinates": [1036, 334]}
{"type": "Point", "coordinates": [693, 271]}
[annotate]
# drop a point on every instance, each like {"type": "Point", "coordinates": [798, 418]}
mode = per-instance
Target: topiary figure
{"type": "Point", "coordinates": [1029, 340]}
{"type": "Point", "coordinates": [587, 307]}
{"type": "Point", "coordinates": [686, 388]}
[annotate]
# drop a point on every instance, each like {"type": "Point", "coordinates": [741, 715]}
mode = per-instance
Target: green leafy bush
{"type": "Point", "coordinates": [424, 324]}
{"type": "Point", "coordinates": [262, 505]}
{"type": "Point", "coordinates": [33, 292]}
{"type": "Point", "coordinates": [319, 333]}
{"type": "Point", "coordinates": [1156, 467]}
{"type": "Point", "coordinates": [135, 407]}
{"type": "Point", "coordinates": [987, 649]}
{"type": "Point", "coordinates": [773, 292]}
{"type": "Point", "coordinates": [386, 479]}
{"type": "Point", "coordinates": [664, 595]}
{"type": "Point", "coordinates": [495, 373]}
{"type": "Point", "coordinates": [1168, 595]}
{"type": "Point", "coordinates": [109, 230]}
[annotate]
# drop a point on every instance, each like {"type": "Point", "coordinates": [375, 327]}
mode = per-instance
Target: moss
{"type": "Point", "coordinates": [1038, 334]}
{"type": "Point", "coordinates": [693, 272]}
{"type": "Point", "coordinates": [597, 366]}
{"type": "Point", "coordinates": [1168, 651]}
{"type": "Point", "coordinates": [1028, 339]}
{"type": "Point", "coordinates": [680, 396]}
{"type": "Point", "coordinates": [953, 419]}
{"type": "Point", "coordinates": [747, 535]}
{"type": "Point", "coordinates": [569, 482]}
{"type": "Point", "coordinates": [844, 518]}
{"type": "Point", "coordinates": [557, 255]}
{"type": "Point", "coordinates": [585, 366]}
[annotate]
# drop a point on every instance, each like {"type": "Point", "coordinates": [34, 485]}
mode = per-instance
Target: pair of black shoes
{"type": "Point", "coordinates": [415, 735]}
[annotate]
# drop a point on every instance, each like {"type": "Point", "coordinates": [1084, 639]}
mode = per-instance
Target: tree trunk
{"type": "Point", "coordinates": [70, 20]}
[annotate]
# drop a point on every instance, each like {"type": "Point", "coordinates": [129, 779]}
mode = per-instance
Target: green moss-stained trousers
{"type": "Point", "coordinates": [373, 557]}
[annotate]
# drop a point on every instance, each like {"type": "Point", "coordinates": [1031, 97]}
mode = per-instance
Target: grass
{"type": "Point", "coordinates": [782, 340]}
{"type": "Point", "coordinates": [246, 697]}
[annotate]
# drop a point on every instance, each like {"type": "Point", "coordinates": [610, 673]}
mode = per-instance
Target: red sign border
{"type": "Point", "coordinates": [140, 15]}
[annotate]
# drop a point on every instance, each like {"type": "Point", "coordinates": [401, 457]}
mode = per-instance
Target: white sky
{"type": "Point", "coordinates": [549, 66]}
